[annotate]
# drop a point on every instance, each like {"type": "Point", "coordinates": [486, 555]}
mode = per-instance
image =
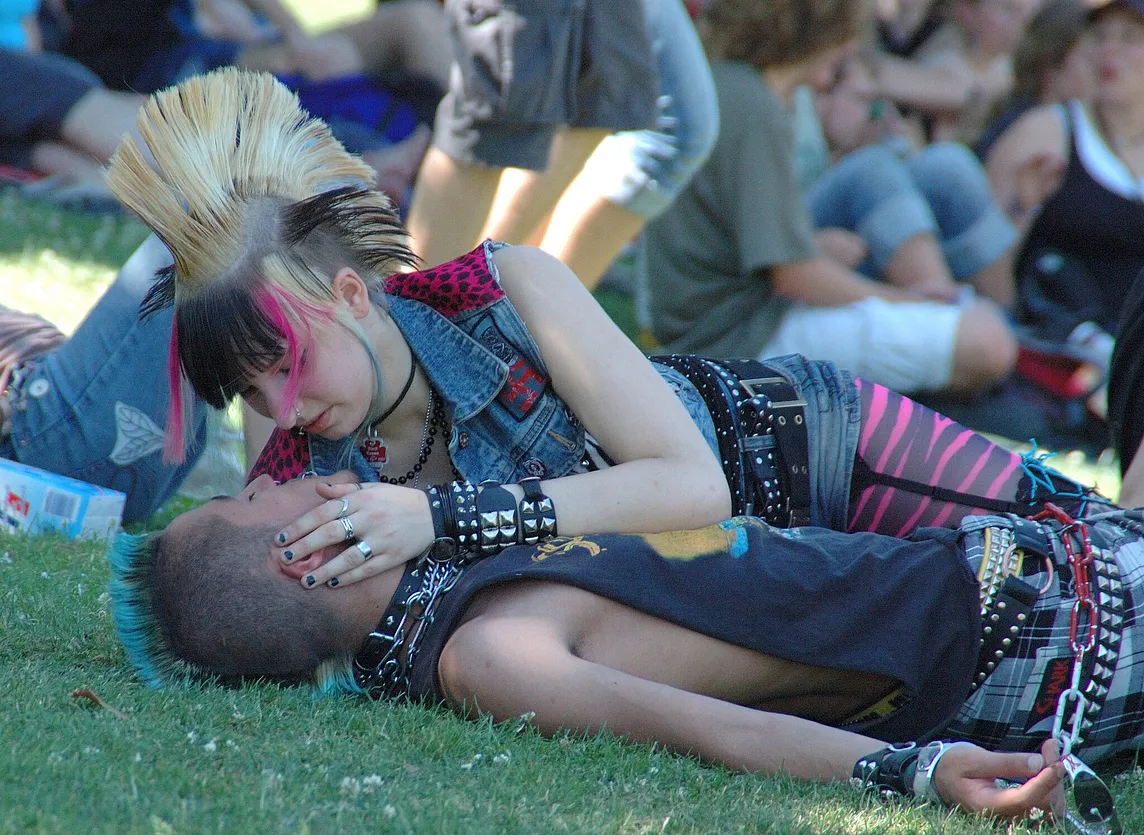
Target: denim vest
{"type": "Point", "coordinates": [508, 423]}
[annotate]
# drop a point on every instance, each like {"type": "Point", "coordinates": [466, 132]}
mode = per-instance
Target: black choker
{"type": "Point", "coordinates": [404, 391]}
{"type": "Point", "coordinates": [374, 448]}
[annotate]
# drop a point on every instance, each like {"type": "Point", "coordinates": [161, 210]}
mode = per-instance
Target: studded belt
{"type": "Point", "coordinates": [1006, 600]}
{"type": "Point", "coordinates": [1007, 603]}
{"type": "Point", "coordinates": [760, 426]}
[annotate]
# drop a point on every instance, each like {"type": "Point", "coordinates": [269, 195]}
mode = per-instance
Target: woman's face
{"type": "Point", "coordinates": [845, 109]}
{"type": "Point", "coordinates": [336, 385]}
{"type": "Point", "coordinates": [1075, 76]}
{"type": "Point", "coordinates": [1118, 39]}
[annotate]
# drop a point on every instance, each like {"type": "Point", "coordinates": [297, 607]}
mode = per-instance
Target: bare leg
{"type": "Point", "coordinates": [450, 203]}
{"type": "Point", "coordinates": [97, 122]}
{"type": "Point", "coordinates": [587, 231]}
{"type": "Point", "coordinates": [985, 349]}
{"type": "Point", "coordinates": [525, 198]}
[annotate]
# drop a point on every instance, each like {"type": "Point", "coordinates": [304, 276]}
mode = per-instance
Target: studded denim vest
{"type": "Point", "coordinates": [507, 421]}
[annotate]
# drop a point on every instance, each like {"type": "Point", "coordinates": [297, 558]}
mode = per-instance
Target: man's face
{"type": "Point", "coordinates": [262, 504]}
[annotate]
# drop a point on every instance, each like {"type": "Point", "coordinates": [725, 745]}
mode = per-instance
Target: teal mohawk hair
{"type": "Point", "coordinates": [133, 566]}
{"type": "Point", "coordinates": [335, 678]}
{"type": "Point", "coordinates": [132, 561]}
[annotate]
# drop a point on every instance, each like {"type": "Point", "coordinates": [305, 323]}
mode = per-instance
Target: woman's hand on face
{"type": "Point", "coordinates": [966, 776]}
{"type": "Point", "coordinates": [388, 522]}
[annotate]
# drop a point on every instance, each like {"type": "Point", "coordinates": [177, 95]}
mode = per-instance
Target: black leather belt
{"type": "Point", "coordinates": [760, 425]}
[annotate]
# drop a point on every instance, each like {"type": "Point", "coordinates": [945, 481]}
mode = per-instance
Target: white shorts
{"type": "Point", "coordinates": [904, 346]}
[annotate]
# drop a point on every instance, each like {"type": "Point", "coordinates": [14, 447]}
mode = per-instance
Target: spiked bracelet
{"type": "Point", "coordinates": [498, 518]}
{"type": "Point", "coordinates": [537, 513]}
{"type": "Point", "coordinates": [439, 503]}
{"type": "Point", "coordinates": [889, 771]}
{"type": "Point", "coordinates": [458, 517]}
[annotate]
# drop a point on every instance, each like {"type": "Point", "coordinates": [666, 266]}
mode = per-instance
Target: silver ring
{"type": "Point", "coordinates": [348, 526]}
{"type": "Point", "coordinates": [357, 484]}
{"type": "Point", "coordinates": [345, 508]}
{"type": "Point", "coordinates": [364, 549]}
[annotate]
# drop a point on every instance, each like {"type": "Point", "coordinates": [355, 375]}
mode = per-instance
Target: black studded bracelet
{"type": "Point", "coordinates": [498, 518]}
{"type": "Point", "coordinates": [537, 513]}
{"type": "Point", "coordinates": [889, 771]}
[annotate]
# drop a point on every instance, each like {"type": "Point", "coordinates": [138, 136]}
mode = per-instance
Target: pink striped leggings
{"type": "Point", "coordinates": [905, 448]}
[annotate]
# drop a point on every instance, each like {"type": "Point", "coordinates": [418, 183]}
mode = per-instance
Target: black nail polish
{"type": "Point", "coordinates": [281, 538]}
{"type": "Point", "coordinates": [332, 583]}
{"type": "Point", "coordinates": [310, 580]}
{"type": "Point", "coordinates": [287, 555]}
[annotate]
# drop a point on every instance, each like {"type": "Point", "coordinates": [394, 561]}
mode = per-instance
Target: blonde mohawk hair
{"type": "Point", "coordinates": [260, 205]}
{"type": "Point", "coordinates": [220, 141]}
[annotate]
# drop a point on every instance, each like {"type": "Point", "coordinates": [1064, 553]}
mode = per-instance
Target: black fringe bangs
{"type": "Point", "coordinates": [223, 339]}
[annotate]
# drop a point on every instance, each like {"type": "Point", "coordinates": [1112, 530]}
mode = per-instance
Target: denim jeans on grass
{"type": "Point", "coordinates": [95, 408]}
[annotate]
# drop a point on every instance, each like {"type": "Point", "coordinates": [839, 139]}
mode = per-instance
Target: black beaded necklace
{"type": "Point", "coordinates": [434, 419]}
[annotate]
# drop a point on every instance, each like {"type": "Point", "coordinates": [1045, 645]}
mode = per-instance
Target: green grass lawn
{"type": "Point", "coordinates": [270, 759]}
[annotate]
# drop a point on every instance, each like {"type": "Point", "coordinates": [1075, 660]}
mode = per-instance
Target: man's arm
{"type": "Point", "coordinates": [823, 282]}
{"type": "Point", "coordinates": [507, 667]}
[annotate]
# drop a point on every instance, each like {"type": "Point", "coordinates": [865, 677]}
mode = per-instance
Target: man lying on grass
{"type": "Point", "coordinates": [766, 650]}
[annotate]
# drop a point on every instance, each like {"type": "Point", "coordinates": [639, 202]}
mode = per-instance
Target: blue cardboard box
{"type": "Point", "coordinates": [34, 500]}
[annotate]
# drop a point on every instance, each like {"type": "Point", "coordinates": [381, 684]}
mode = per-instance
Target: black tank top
{"type": "Point", "coordinates": [1095, 227]}
{"type": "Point", "coordinates": [906, 608]}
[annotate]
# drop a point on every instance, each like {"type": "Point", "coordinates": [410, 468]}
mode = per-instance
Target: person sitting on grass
{"type": "Point", "coordinates": [734, 268]}
{"type": "Point", "coordinates": [762, 649]}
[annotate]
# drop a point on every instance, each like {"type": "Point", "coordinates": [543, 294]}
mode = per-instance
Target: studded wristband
{"type": "Point", "coordinates": [889, 771]}
{"type": "Point", "coordinates": [498, 518]}
{"type": "Point", "coordinates": [537, 513]}
{"type": "Point", "coordinates": [459, 513]}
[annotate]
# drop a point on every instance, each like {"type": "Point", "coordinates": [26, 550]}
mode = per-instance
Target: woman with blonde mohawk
{"type": "Point", "coordinates": [287, 292]}
{"type": "Point", "coordinates": [488, 401]}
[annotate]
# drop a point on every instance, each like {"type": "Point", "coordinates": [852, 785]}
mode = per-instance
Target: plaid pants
{"type": "Point", "coordinates": [1014, 709]}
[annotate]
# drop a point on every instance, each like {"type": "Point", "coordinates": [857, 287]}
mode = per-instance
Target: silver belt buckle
{"type": "Point", "coordinates": [750, 383]}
